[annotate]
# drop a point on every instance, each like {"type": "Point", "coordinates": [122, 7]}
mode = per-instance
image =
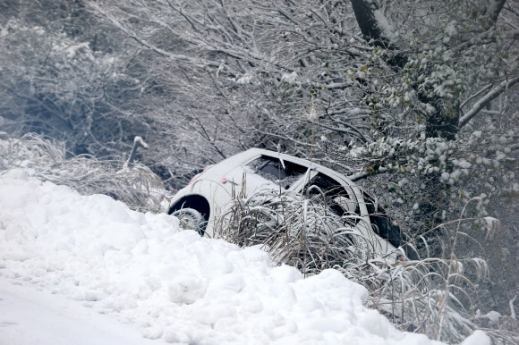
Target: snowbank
{"type": "Point", "coordinates": [141, 269]}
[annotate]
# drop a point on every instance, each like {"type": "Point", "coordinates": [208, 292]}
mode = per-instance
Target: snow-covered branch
{"type": "Point", "coordinates": [490, 96]}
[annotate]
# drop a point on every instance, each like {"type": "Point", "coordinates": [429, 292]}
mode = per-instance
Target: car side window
{"type": "Point", "coordinates": [336, 197]}
{"type": "Point", "coordinates": [283, 173]}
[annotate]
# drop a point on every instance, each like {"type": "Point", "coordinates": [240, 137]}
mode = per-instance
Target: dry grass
{"type": "Point", "coordinates": [296, 231]}
{"type": "Point", "coordinates": [138, 186]}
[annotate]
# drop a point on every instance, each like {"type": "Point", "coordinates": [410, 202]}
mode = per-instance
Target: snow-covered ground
{"type": "Point", "coordinates": [87, 270]}
{"type": "Point", "coordinates": [28, 317]}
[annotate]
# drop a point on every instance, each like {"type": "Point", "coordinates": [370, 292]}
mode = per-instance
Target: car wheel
{"type": "Point", "coordinates": [191, 219]}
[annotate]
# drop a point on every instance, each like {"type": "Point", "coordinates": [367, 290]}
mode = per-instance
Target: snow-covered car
{"type": "Point", "coordinates": [200, 204]}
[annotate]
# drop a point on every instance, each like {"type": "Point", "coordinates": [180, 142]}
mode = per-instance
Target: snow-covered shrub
{"type": "Point", "coordinates": [137, 186]}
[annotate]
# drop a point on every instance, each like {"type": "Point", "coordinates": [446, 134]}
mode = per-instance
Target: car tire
{"type": "Point", "coordinates": [191, 219]}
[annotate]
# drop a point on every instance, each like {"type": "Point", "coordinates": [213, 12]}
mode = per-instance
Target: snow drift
{"type": "Point", "coordinates": [173, 285]}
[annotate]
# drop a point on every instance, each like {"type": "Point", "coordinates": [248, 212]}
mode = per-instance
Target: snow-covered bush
{"type": "Point", "coordinates": [136, 186]}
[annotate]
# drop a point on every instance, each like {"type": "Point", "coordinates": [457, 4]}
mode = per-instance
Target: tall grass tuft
{"type": "Point", "coordinates": [138, 186]}
{"type": "Point", "coordinates": [296, 231]}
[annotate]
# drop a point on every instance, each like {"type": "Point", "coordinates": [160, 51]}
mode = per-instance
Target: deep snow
{"type": "Point", "coordinates": [94, 269]}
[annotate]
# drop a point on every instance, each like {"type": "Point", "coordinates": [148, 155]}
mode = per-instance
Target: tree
{"type": "Point", "coordinates": [66, 76]}
{"type": "Point", "coordinates": [460, 31]}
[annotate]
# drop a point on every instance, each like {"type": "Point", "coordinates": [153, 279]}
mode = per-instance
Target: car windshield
{"type": "Point", "coordinates": [282, 173]}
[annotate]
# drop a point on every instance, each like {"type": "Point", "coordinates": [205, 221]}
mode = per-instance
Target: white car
{"type": "Point", "coordinates": [199, 204]}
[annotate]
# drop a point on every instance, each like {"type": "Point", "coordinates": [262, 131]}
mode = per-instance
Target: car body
{"type": "Point", "coordinates": [209, 192]}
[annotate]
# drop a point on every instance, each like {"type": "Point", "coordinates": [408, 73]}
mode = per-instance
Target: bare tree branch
{"type": "Point", "coordinates": [482, 102]}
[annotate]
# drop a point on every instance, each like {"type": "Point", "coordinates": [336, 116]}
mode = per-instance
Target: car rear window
{"type": "Point", "coordinates": [272, 169]}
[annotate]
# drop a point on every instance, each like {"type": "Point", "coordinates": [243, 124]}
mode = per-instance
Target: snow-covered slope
{"type": "Point", "coordinates": [168, 284]}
